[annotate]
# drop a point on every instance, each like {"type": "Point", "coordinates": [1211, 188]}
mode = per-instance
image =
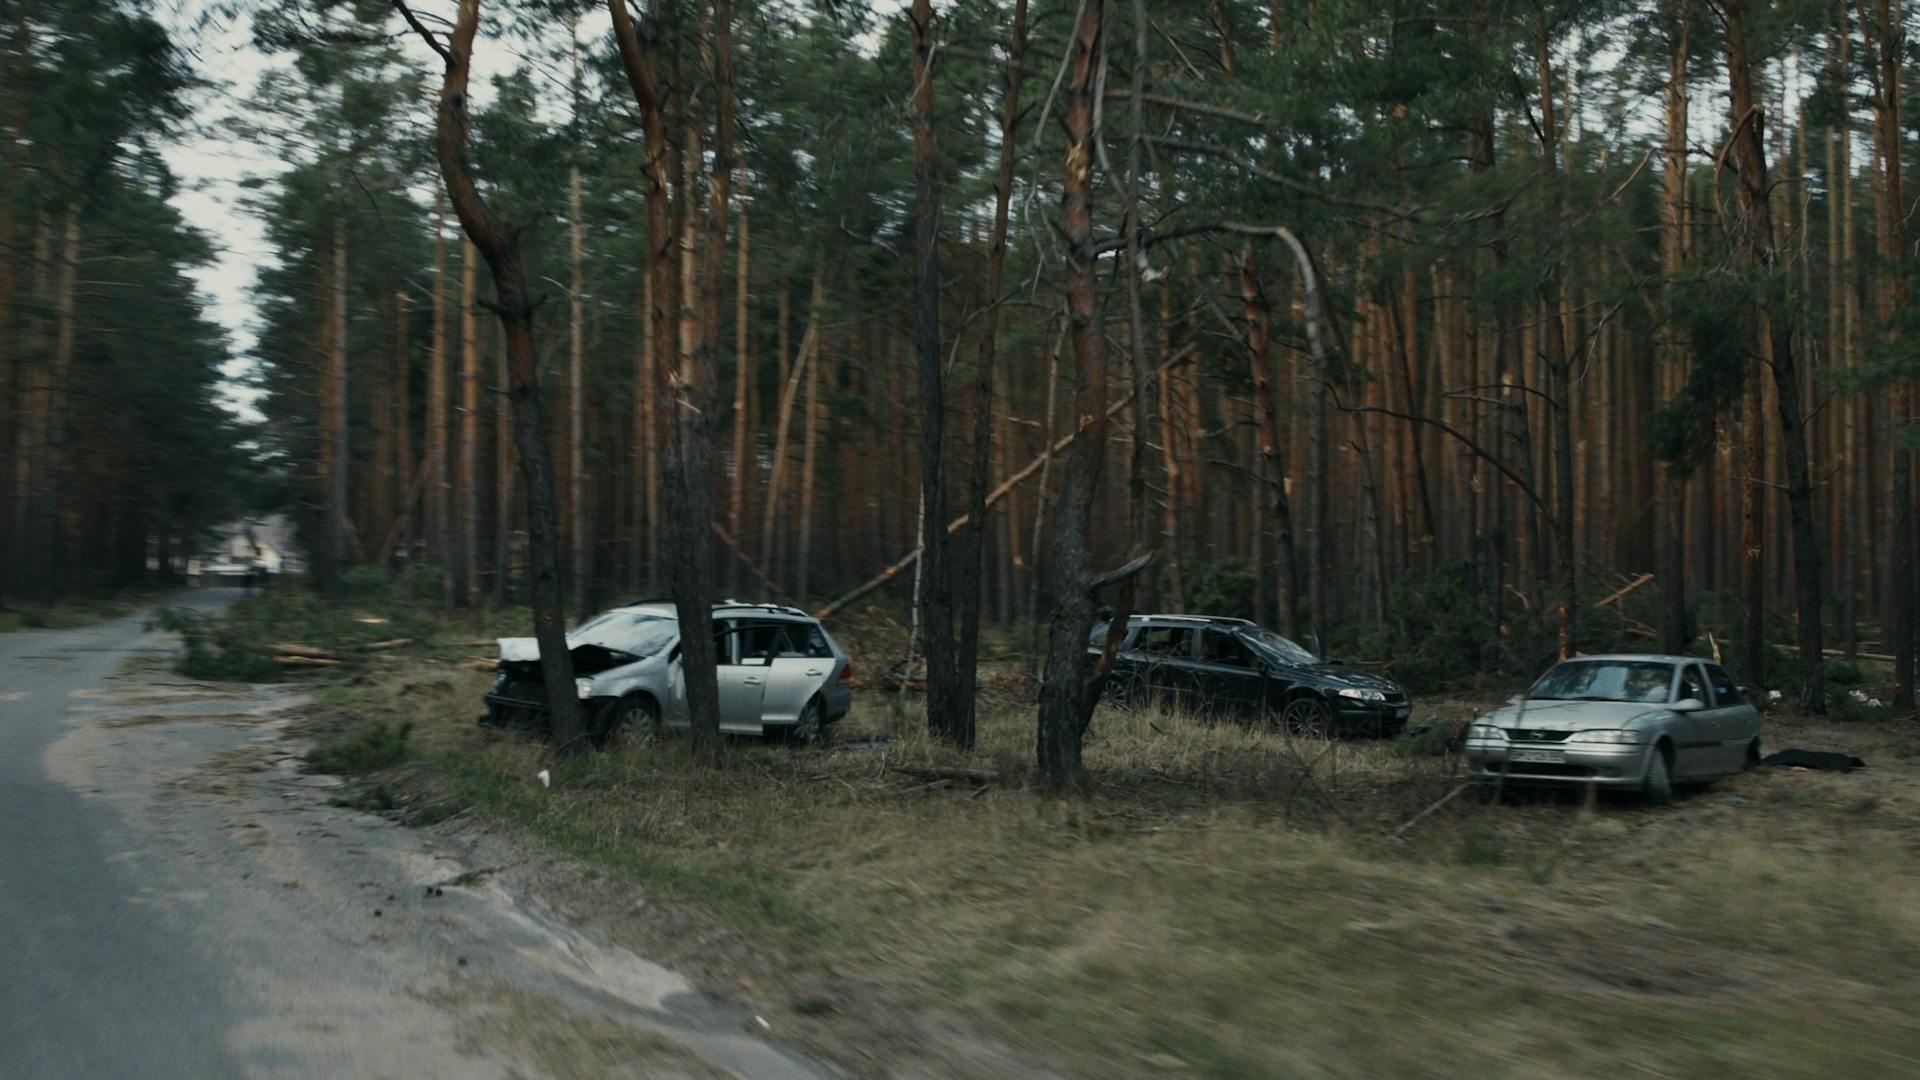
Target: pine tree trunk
{"type": "Point", "coordinates": [441, 505]}
{"type": "Point", "coordinates": [14, 104]}
{"type": "Point", "coordinates": [803, 532]}
{"type": "Point", "coordinates": [501, 250]}
{"type": "Point", "coordinates": [337, 388]}
{"type": "Point", "coordinates": [582, 572]}
{"type": "Point", "coordinates": [1066, 694]}
{"type": "Point", "coordinates": [1887, 30]}
{"type": "Point", "coordinates": [1755, 242]}
{"type": "Point", "coordinates": [743, 471]}
{"type": "Point", "coordinates": [468, 490]}
{"type": "Point", "coordinates": [1670, 571]}
{"type": "Point", "coordinates": [403, 464]}
{"type": "Point", "coordinates": [503, 483]}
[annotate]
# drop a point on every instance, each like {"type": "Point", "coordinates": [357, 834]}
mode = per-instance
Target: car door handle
{"type": "Point", "coordinates": [749, 681]}
{"type": "Point", "coordinates": [815, 671]}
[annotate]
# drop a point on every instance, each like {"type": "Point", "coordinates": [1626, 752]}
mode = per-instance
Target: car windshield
{"type": "Point", "coordinates": [1644, 681]}
{"type": "Point", "coordinates": [1284, 648]}
{"type": "Point", "coordinates": [641, 635]}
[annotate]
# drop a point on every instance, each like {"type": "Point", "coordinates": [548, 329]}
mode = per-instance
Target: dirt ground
{"type": "Point", "coordinates": [1229, 904]}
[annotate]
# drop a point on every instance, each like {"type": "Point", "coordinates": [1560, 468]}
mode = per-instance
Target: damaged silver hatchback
{"type": "Point", "coordinates": [780, 673]}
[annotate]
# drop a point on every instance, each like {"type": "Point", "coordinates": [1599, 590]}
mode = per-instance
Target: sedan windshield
{"type": "Point", "coordinates": [641, 635]}
{"type": "Point", "coordinates": [1644, 681]}
{"type": "Point", "coordinates": [1284, 648]}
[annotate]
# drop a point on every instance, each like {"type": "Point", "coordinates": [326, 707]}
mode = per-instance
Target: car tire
{"type": "Point", "coordinates": [633, 720]}
{"type": "Point", "coordinates": [811, 728]}
{"type": "Point", "coordinates": [1657, 789]}
{"type": "Point", "coordinates": [1307, 717]}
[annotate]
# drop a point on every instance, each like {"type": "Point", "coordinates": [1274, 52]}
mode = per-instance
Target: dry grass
{"type": "Point", "coordinates": [1230, 903]}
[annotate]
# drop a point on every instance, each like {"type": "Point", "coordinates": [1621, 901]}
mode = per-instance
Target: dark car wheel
{"type": "Point", "coordinates": [630, 721]}
{"type": "Point", "coordinates": [1307, 718]}
{"type": "Point", "coordinates": [1658, 789]}
{"type": "Point", "coordinates": [811, 728]}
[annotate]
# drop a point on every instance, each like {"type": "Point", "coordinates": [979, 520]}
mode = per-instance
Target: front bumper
{"type": "Point", "coordinates": [1604, 764]}
{"type": "Point", "coordinates": [1379, 718]}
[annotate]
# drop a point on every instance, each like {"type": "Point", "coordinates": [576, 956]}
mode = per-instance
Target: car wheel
{"type": "Point", "coordinates": [632, 721]}
{"type": "Point", "coordinates": [811, 728]}
{"type": "Point", "coordinates": [1658, 788]}
{"type": "Point", "coordinates": [1307, 718]}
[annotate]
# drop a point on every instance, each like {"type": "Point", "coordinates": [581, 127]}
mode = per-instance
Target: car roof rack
{"type": "Point", "coordinates": [1217, 620]}
{"type": "Point", "coordinates": [778, 608]}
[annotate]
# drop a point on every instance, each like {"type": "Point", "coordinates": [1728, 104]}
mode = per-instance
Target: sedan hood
{"type": "Point", "coordinates": [1336, 676]}
{"type": "Point", "coordinates": [1572, 715]}
{"type": "Point", "coordinates": [588, 659]}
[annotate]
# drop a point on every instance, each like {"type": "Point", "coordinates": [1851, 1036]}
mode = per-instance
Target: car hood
{"type": "Point", "coordinates": [1573, 715]}
{"type": "Point", "coordinates": [1337, 677]}
{"type": "Point", "coordinates": [588, 659]}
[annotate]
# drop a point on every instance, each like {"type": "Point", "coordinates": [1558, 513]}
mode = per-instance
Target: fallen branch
{"type": "Point", "coordinates": [944, 772]}
{"type": "Point", "coordinates": [285, 649]}
{"type": "Point", "coordinates": [1444, 800]}
{"type": "Point", "coordinates": [1636, 583]}
{"type": "Point", "coordinates": [396, 643]}
{"type": "Point", "coordinates": [305, 661]}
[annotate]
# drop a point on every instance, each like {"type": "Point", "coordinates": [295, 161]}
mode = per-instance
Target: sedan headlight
{"type": "Point", "coordinates": [1485, 731]}
{"type": "Point", "coordinates": [1358, 694]}
{"type": "Point", "coordinates": [1607, 736]}
{"type": "Point", "coordinates": [583, 687]}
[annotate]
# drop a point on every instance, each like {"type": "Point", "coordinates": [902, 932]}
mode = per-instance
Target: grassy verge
{"type": "Point", "coordinates": [1230, 904]}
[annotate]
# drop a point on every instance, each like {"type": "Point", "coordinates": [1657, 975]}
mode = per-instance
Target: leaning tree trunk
{"type": "Point", "coordinates": [1066, 697]}
{"type": "Point", "coordinates": [1888, 38]}
{"type": "Point", "coordinates": [1753, 236]}
{"type": "Point", "coordinates": [501, 250]}
{"type": "Point", "coordinates": [1671, 535]}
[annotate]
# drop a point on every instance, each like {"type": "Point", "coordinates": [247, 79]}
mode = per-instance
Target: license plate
{"type": "Point", "coordinates": [1543, 757]}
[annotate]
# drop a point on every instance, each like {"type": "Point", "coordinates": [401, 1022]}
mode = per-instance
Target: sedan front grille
{"type": "Point", "coordinates": [1534, 735]}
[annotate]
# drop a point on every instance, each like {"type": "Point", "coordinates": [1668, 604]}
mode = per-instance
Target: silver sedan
{"type": "Point", "coordinates": [1633, 723]}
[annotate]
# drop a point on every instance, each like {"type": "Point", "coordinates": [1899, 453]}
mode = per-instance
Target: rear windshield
{"type": "Point", "coordinates": [641, 635]}
{"type": "Point", "coordinates": [1644, 681]}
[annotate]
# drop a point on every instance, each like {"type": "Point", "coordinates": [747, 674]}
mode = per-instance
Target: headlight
{"type": "Point", "coordinates": [1485, 731]}
{"type": "Point", "coordinates": [583, 687]}
{"type": "Point", "coordinates": [1607, 736]}
{"type": "Point", "coordinates": [1363, 695]}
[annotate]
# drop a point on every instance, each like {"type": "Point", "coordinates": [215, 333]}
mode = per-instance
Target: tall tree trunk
{"type": "Point", "coordinates": [403, 464]}
{"type": "Point", "coordinates": [337, 386]}
{"type": "Point", "coordinates": [783, 424]}
{"type": "Point", "coordinates": [1753, 234]}
{"type": "Point", "coordinates": [1670, 571]}
{"type": "Point", "coordinates": [469, 487]}
{"type": "Point", "coordinates": [1274, 500]}
{"type": "Point", "coordinates": [685, 387]}
{"type": "Point", "coordinates": [1888, 39]}
{"type": "Point", "coordinates": [1559, 365]}
{"type": "Point", "coordinates": [441, 505]}
{"type": "Point", "coordinates": [803, 532]}
{"type": "Point", "coordinates": [502, 251]}
{"type": "Point", "coordinates": [742, 470]}
{"type": "Point", "coordinates": [503, 483]}
{"type": "Point", "coordinates": [1067, 695]}
{"type": "Point", "coordinates": [14, 104]}
{"type": "Point", "coordinates": [580, 571]}
{"type": "Point", "coordinates": [945, 709]}
{"type": "Point", "coordinates": [966, 564]}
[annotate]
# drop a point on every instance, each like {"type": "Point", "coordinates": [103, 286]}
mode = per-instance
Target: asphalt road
{"type": "Point", "coordinates": [179, 900]}
{"type": "Point", "coordinates": [94, 985]}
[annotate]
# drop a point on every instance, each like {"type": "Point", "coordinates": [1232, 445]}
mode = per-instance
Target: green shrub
{"type": "Point", "coordinates": [374, 747]}
{"type": "Point", "coordinates": [215, 649]}
{"type": "Point", "coordinates": [1227, 588]}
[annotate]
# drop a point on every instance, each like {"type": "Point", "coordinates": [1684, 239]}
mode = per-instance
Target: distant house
{"type": "Point", "coordinates": [261, 545]}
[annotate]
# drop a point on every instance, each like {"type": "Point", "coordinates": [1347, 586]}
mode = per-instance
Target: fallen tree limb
{"type": "Point", "coordinates": [1634, 584]}
{"type": "Point", "coordinates": [285, 649]}
{"type": "Point", "coordinates": [1444, 800]}
{"type": "Point", "coordinates": [396, 643]}
{"type": "Point", "coordinates": [305, 661]}
{"type": "Point", "coordinates": [1000, 492]}
{"type": "Point", "coordinates": [752, 567]}
{"type": "Point", "coordinates": [980, 777]}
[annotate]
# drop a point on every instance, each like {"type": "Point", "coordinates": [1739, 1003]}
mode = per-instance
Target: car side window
{"type": "Point", "coordinates": [1220, 647]}
{"type": "Point", "coordinates": [1725, 690]}
{"type": "Point", "coordinates": [1692, 685]}
{"type": "Point", "coordinates": [817, 647]}
{"type": "Point", "coordinates": [1169, 642]}
{"type": "Point", "coordinates": [760, 642]}
{"type": "Point", "coordinates": [724, 639]}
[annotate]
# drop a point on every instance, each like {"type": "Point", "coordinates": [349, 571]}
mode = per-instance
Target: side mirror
{"type": "Point", "coordinates": [1688, 705]}
{"type": "Point", "coordinates": [673, 657]}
